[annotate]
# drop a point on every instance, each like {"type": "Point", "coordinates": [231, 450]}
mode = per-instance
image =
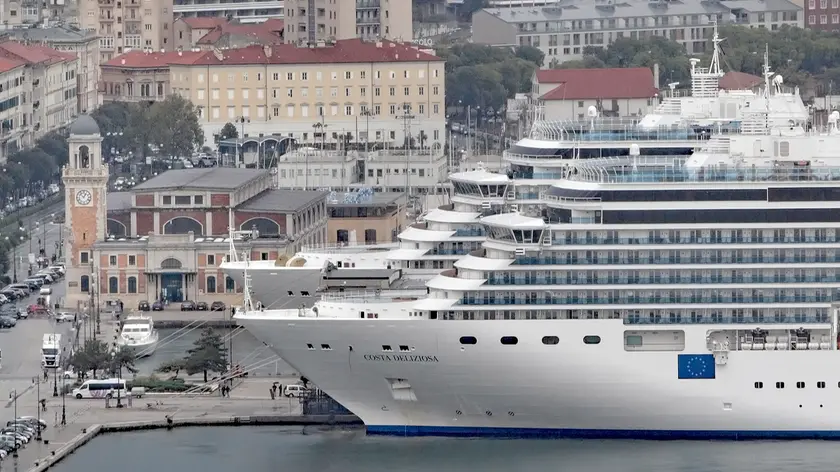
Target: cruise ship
{"type": "Point", "coordinates": [663, 297]}
{"type": "Point", "coordinates": [679, 126]}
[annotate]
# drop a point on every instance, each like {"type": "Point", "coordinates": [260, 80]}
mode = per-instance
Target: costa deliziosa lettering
{"type": "Point", "coordinates": [399, 358]}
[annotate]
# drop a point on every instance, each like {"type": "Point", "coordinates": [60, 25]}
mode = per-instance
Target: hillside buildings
{"type": "Point", "coordinates": [562, 30]}
{"type": "Point", "coordinates": [322, 20]}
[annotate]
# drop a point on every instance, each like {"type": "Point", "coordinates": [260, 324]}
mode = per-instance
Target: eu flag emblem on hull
{"type": "Point", "coordinates": [695, 366]}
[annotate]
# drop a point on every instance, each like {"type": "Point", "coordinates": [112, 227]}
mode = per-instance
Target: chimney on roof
{"type": "Point", "coordinates": [123, 62]}
{"type": "Point", "coordinates": [267, 50]}
{"type": "Point", "coordinates": [162, 50]}
{"type": "Point", "coordinates": [321, 43]}
{"type": "Point", "coordinates": [180, 53]}
{"type": "Point", "coordinates": [218, 54]}
{"type": "Point", "coordinates": [378, 44]}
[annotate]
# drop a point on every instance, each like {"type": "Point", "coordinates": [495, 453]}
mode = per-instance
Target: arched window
{"type": "Point", "coordinates": [211, 284]}
{"type": "Point", "coordinates": [84, 157]}
{"type": "Point", "coordinates": [229, 285]}
{"type": "Point", "coordinates": [132, 285]}
{"type": "Point", "coordinates": [113, 285]}
{"type": "Point", "coordinates": [170, 263]}
{"type": "Point", "coordinates": [84, 284]}
{"type": "Point", "coordinates": [265, 226]}
{"type": "Point", "coordinates": [183, 225]}
{"type": "Point", "coordinates": [116, 228]}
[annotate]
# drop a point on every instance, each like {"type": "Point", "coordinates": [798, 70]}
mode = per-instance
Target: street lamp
{"type": "Point", "coordinates": [55, 368]}
{"type": "Point", "coordinates": [119, 374]}
{"type": "Point", "coordinates": [242, 120]}
{"type": "Point", "coordinates": [367, 114]}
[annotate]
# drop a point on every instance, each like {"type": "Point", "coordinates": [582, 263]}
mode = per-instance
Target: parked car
{"type": "Point", "coordinates": [29, 420]}
{"type": "Point", "coordinates": [63, 316]}
{"type": "Point", "coordinates": [217, 306]}
{"type": "Point", "coordinates": [157, 306]}
{"type": "Point", "coordinates": [144, 306]}
{"type": "Point", "coordinates": [201, 306]}
{"type": "Point", "coordinates": [7, 322]}
{"type": "Point", "coordinates": [36, 309]}
{"type": "Point", "coordinates": [187, 305]}
{"type": "Point", "coordinates": [13, 312]}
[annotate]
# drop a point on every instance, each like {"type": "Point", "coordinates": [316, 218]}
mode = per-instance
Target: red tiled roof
{"type": "Point", "coordinates": [739, 81]}
{"type": "Point", "coordinates": [204, 22]}
{"type": "Point", "coordinates": [33, 54]}
{"type": "Point", "coordinates": [148, 60]}
{"type": "Point", "coordinates": [578, 84]}
{"type": "Point", "coordinates": [8, 64]}
{"type": "Point", "coordinates": [274, 24]}
{"type": "Point", "coordinates": [344, 51]}
{"type": "Point", "coordinates": [263, 33]}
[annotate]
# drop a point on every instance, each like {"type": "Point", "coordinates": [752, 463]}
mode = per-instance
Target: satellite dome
{"type": "Point", "coordinates": [84, 124]}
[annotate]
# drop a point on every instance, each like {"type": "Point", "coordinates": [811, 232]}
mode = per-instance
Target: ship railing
{"type": "Point", "coordinates": [546, 197]}
{"type": "Point", "coordinates": [624, 171]}
{"type": "Point", "coordinates": [721, 319]}
{"type": "Point", "coordinates": [332, 248]}
{"type": "Point", "coordinates": [373, 295]}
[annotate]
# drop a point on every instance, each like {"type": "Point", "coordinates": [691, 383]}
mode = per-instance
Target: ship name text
{"type": "Point", "coordinates": [399, 358]}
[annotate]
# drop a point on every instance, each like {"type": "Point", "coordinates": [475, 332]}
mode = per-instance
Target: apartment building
{"type": "Point", "coordinates": [17, 13]}
{"type": "Point", "coordinates": [390, 170]}
{"type": "Point", "coordinates": [141, 75]}
{"type": "Point", "coordinates": [243, 10]}
{"type": "Point", "coordinates": [357, 217]}
{"type": "Point", "coordinates": [84, 44]}
{"type": "Point", "coordinates": [320, 20]}
{"type": "Point", "coordinates": [822, 14]}
{"type": "Point", "coordinates": [51, 87]}
{"type": "Point", "coordinates": [128, 24]}
{"type": "Point", "coordinates": [332, 89]}
{"type": "Point", "coordinates": [562, 31]}
{"type": "Point", "coordinates": [210, 33]}
{"type": "Point", "coordinates": [12, 93]}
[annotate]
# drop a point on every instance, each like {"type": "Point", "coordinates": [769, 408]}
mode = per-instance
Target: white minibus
{"type": "Point", "coordinates": [100, 388]}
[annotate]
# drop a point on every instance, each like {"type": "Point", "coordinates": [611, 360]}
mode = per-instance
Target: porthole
{"type": "Point", "coordinates": [800, 384]}
{"type": "Point", "coordinates": [468, 340]}
{"type": "Point", "coordinates": [510, 413]}
{"type": "Point", "coordinates": [386, 348]}
{"type": "Point", "coordinates": [509, 340]}
{"type": "Point", "coordinates": [488, 413]}
{"type": "Point", "coordinates": [759, 385]}
{"type": "Point", "coordinates": [550, 340]}
{"type": "Point", "coordinates": [310, 346]}
{"type": "Point", "coordinates": [780, 385]}
{"type": "Point", "coordinates": [820, 384]}
{"type": "Point", "coordinates": [458, 412]}
{"type": "Point", "coordinates": [592, 339]}
{"type": "Point", "coordinates": [326, 347]}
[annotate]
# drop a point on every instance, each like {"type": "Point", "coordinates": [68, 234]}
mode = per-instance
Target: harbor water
{"type": "Point", "coordinates": [247, 351]}
{"type": "Point", "coordinates": [311, 449]}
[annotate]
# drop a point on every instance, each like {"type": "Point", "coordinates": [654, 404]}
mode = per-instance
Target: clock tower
{"type": "Point", "coordinates": [85, 180]}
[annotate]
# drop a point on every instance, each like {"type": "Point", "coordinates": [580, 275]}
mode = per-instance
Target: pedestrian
{"type": "Point", "coordinates": [46, 375]}
{"type": "Point", "coordinates": [274, 390]}
{"type": "Point", "coordinates": [271, 392]}
{"type": "Point", "coordinates": [43, 404]}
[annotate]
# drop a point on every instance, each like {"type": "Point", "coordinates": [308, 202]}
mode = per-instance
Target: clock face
{"type": "Point", "coordinates": [84, 197]}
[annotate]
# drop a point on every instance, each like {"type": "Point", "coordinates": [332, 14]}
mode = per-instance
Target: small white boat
{"type": "Point", "coordinates": [139, 333]}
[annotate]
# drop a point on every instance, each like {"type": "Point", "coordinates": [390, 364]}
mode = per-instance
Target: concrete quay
{"type": "Point", "coordinates": [248, 405]}
{"type": "Point", "coordinates": [173, 317]}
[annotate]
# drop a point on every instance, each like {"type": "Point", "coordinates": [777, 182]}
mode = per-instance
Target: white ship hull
{"type": "Point", "coordinates": [144, 348]}
{"type": "Point", "coordinates": [566, 390]}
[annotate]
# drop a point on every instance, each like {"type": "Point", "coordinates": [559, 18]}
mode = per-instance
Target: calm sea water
{"type": "Point", "coordinates": [273, 449]}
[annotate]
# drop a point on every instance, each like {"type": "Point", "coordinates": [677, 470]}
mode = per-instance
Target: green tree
{"type": "Point", "coordinates": [93, 356]}
{"type": "Point", "coordinates": [122, 360]}
{"type": "Point", "coordinates": [113, 118]}
{"type": "Point", "coordinates": [139, 133]}
{"type": "Point", "coordinates": [174, 124]}
{"type": "Point", "coordinates": [207, 355]}
{"type": "Point", "coordinates": [174, 366]}
{"type": "Point", "coordinates": [530, 54]}
{"type": "Point", "coordinates": [55, 145]}
{"type": "Point", "coordinates": [228, 132]}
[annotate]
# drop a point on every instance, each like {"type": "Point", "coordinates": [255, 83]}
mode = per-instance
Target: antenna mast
{"type": "Point", "coordinates": [247, 301]}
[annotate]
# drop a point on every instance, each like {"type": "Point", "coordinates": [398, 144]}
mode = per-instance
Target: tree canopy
{"type": "Point", "coordinates": [485, 76]}
{"type": "Point", "coordinates": [208, 354]}
{"type": "Point", "coordinates": [804, 57]}
{"type": "Point", "coordinates": [228, 132]}
{"type": "Point", "coordinates": [172, 124]}
{"type": "Point", "coordinates": [93, 356]}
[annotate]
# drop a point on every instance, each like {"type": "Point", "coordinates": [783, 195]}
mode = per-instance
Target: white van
{"type": "Point", "coordinates": [45, 291]}
{"type": "Point", "coordinates": [296, 391]}
{"type": "Point", "coordinates": [100, 388]}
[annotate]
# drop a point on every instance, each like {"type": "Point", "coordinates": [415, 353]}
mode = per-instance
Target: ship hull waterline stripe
{"type": "Point", "coordinates": [544, 433]}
